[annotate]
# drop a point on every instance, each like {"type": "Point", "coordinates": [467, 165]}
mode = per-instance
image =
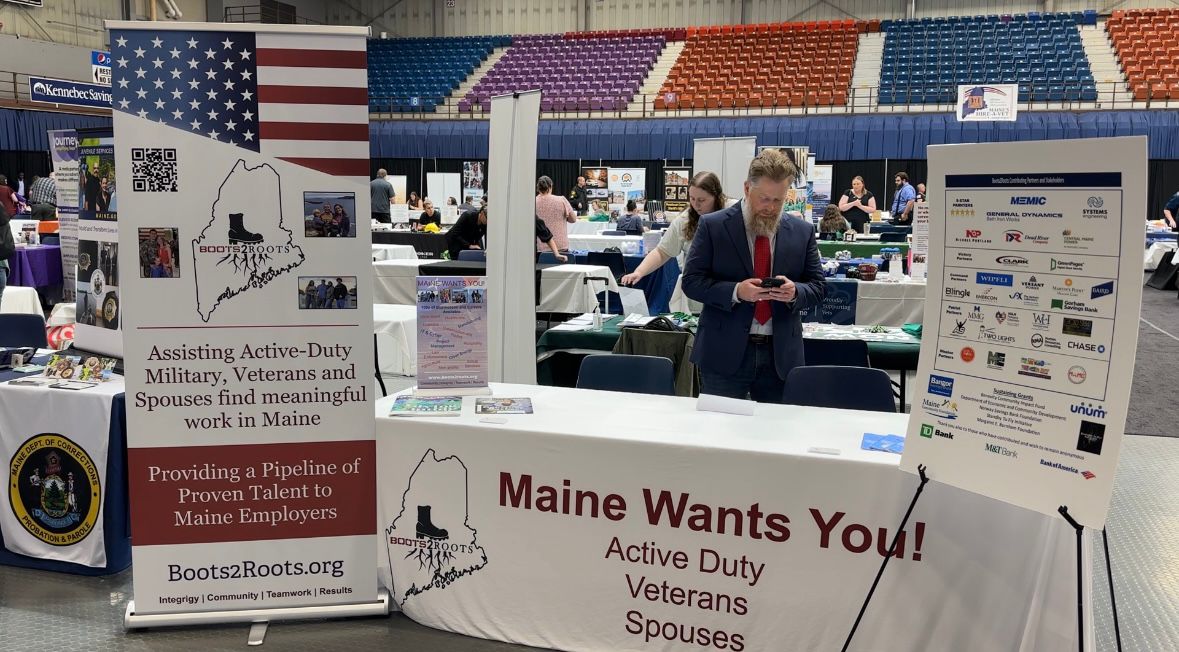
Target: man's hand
{"type": "Point", "coordinates": [750, 290]}
{"type": "Point", "coordinates": [785, 293]}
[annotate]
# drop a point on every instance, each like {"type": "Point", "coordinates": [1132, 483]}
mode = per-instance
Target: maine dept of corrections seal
{"type": "Point", "coordinates": [54, 489]}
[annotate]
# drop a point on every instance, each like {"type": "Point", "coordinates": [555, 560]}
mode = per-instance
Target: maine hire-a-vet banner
{"type": "Point", "coordinates": [242, 158]}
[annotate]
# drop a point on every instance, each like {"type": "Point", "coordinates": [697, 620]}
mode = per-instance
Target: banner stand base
{"type": "Point", "coordinates": [380, 607]}
{"type": "Point", "coordinates": [453, 391]}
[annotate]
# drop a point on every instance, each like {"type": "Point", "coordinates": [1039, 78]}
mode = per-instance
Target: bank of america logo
{"type": "Point", "coordinates": [1089, 475]}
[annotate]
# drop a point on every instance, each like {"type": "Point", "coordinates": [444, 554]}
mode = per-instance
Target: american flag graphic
{"type": "Point", "coordinates": [299, 98]}
{"type": "Point", "coordinates": [1089, 475]}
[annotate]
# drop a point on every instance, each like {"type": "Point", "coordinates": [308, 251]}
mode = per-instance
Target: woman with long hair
{"type": "Point", "coordinates": [833, 221]}
{"type": "Point", "coordinates": [857, 205]}
{"type": "Point", "coordinates": [704, 196]}
{"type": "Point", "coordinates": [415, 202]}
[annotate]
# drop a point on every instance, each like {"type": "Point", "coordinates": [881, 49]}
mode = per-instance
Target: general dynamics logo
{"type": "Point", "coordinates": [987, 278]}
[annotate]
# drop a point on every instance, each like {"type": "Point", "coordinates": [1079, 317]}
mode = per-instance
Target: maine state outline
{"type": "Point", "coordinates": [430, 543]}
{"type": "Point", "coordinates": [245, 245]}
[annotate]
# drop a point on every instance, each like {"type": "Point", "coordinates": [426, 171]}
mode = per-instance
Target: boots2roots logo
{"type": "Point", "coordinates": [53, 487]}
{"type": "Point", "coordinates": [430, 544]}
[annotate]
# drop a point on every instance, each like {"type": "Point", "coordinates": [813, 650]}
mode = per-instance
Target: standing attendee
{"type": "Point", "coordinates": [556, 213]}
{"type": "Point", "coordinates": [43, 198]}
{"type": "Point", "coordinates": [428, 216]}
{"type": "Point", "coordinates": [1171, 212]}
{"type": "Point", "coordinates": [20, 184]}
{"type": "Point", "coordinates": [340, 293]}
{"type": "Point", "coordinates": [467, 233]}
{"type": "Point", "coordinates": [903, 200]}
{"type": "Point", "coordinates": [857, 205]}
{"type": "Point", "coordinates": [920, 193]}
{"type": "Point", "coordinates": [704, 196]}
{"type": "Point", "coordinates": [415, 202]}
{"type": "Point", "coordinates": [579, 197]}
{"type": "Point", "coordinates": [8, 199]}
{"type": "Point", "coordinates": [381, 195]}
{"type": "Point", "coordinates": [750, 335]}
{"type": "Point", "coordinates": [632, 221]}
{"type": "Point", "coordinates": [7, 247]}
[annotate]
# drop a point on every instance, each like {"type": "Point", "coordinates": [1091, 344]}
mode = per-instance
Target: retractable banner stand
{"type": "Point", "coordinates": [63, 151]}
{"type": "Point", "coordinates": [249, 355]}
{"type": "Point", "coordinates": [1031, 323]}
{"type": "Point", "coordinates": [627, 184]}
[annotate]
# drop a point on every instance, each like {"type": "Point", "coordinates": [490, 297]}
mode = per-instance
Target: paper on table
{"type": "Point", "coordinates": [723, 404]}
{"type": "Point", "coordinates": [569, 326]}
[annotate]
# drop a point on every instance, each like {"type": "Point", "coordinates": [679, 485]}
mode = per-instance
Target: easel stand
{"type": "Point", "coordinates": [891, 550]}
{"type": "Point", "coordinates": [1080, 530]}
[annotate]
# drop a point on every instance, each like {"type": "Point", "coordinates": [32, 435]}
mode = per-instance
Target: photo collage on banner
{"type": "Point", "coordinates": [474, 182]}
{"type": "Point", "coordinates": [249, 350]}
{"type": "Point", "coordinates": [597, 186]}
{"type": "Point", "coordinates": [98, 277]}
{"type": "Point", "coordinates": [675, 191]}
{"type": "Point", "coordinates": [63, 152]}
{"type": "Point", "coordinates": [627, 184]}
{"type": "Point", "coordinates": [1031, 330]}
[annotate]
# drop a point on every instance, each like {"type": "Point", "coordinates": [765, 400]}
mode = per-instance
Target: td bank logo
{"type": "Point", "coordinates": [926, 431]}
{"type": "Point", "coordinates": [929, 432]}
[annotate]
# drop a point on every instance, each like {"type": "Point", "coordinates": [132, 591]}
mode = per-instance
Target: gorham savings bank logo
{"type": "Point", "coordinates": [430, 544]}
{"type": "Point", "coordinates": [53, 487]}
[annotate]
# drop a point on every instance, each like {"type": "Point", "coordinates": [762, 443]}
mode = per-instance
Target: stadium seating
{"type": "Point", "coordinates": [599, 71]}
{"type": "Point", "coordinates": [417, 74]}
{"type": "Point", "coordinates": [926, 59]}
{"type": "Point", "coordinates": [763, 65]}
{"type": "Point", "coordinates": [1140, 39]}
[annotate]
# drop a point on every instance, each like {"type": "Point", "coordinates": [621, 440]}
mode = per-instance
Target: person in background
{"type": "Point", "coordinates": [1171, 212]}
{"type": "Point", "coordinates": [20, 184]}
{"type": "Point", "coordinates": [921, 193]}
{"type": "Point", "coordinates": [428, 216]}
{"type": "Point", "coordinates": [467, 233]}
{"type": "Point", "coordinates": [903, 200]}
{"type": "Point", "coordinates": [8, 199]}
{"type": "Point", "coordinates": [7, 247]}
{"type": "Point", "coordinates": [579, 197]}
{"type": "Point", "coordinates": [467, 205]}
{"type": "Point", "coordinates": [857, 205]}
{"type": "Point", "coordinates": [556, 213]}
{"type": "Point", "coordinates": [704, 196]}
{"type": "Point", "coordinates": [381, 194]}
{"type": "Point", "coordinates": [632, 222]}
{"type": "Point", "coordinates": [309, 295]}
{"type": "Point", "coordinates": [340, 293]}
{"type": "Point", "coordinates": [833, 221]}
{"type": "Point", "coordinates": [750, 336]}
{"type": "Point", "coordinates": [451, 201]}
{"type": "Point", "coordinates": [43, 198]}
{"type": "Point", "coordinates": [546, 236]}
{"type": "Point", "coordinates": [415, 202]}
{"type": "Point", "coordinates": [321, 294]}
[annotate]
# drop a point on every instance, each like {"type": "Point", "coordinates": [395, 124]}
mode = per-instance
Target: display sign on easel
{"type": "Point", "coordinates": [919, 251]}
{"type": "Point", "coordinates": [63, 151]}
{"type": "Point", "coordinates": [452, 335]}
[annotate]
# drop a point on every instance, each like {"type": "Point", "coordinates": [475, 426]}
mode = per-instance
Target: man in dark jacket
{"type": "Point", "coordinates": [467, 233]}
{"type": "Point", "coordinates": [340, 293]}
{"type": "Point", "coordinates": [579, 197]}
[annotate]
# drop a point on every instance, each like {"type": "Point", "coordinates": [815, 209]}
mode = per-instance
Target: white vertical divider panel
{"type": "Point", "coordinates": [511, 237]}
{"type": "Point", "coordinates": [728, 157]}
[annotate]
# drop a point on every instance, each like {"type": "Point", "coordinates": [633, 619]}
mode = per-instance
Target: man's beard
{"type": "Point", "coordinates": [765, 225]}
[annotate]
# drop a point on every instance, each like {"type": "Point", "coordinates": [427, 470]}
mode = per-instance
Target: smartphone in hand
{"type": "Point", "coordinates": [772, 282]}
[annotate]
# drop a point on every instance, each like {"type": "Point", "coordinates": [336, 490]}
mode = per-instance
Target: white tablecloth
{"type": "Point", "coordinates": [666, 493]}
{"type": "Point", "coordinates": [890, 304]}
{"type": "Point", "coordinates": [397, 338]}
{"type": "Point", "coordinates": [394, 252]}
{"type": "Point", "coordinates": [629, 244]}
{"type": "Point", "coordinates": [561, 286]}
{"type": "Point", "coordinates": [1154, 255]}
{"type": "Point", "coordinates": [19, 299]}
{"type": "Point", "coordinates": [585, 227]}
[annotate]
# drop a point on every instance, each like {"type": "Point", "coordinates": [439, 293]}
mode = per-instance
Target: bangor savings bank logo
{"type": "Point", "coordinates": [54, 489]}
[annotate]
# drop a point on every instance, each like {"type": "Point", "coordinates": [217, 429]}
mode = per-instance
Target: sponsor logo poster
{"type": "Point", "coordinates": [249, 358]}
{"type": "Point", "coordinates": [1032, 320]}
{"type": "Point", "coordinates": [452, 332]}
{"type": "Point", "coordinates": [988, 102]}
{"type": "Point", "coordinates": [63, 151]}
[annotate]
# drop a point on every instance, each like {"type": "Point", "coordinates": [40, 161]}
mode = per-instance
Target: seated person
{"type": "Point", "coordinates": [833, 221]}
{"type": "Point", "coordinates": [632, 222]}
{"type": "Point", "coordinates": [428, 216]}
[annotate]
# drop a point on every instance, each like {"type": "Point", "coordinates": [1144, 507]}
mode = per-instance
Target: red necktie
{"type": "Point", "coordinates": [761, 269]}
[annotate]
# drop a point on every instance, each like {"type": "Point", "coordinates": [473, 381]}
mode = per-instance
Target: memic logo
{"type": "Point", "coordinates": [1029, 201]}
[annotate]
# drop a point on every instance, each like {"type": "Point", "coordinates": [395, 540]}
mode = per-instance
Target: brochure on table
{"type": "Point", "coordinates": [1032, 324]}
{"type": "Point", "coordinates": [452, 335]}
{"type": "Point", "coordinates": [63, 151]}
{"type": "Point", "coordinates": [249, 409]}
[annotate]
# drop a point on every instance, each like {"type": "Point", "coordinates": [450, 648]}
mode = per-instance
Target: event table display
{"type": "Point", "coordinates": [428, 245]}
{"type": "Point", "coordinates": [394, 252]}
{"type": "Point", "coordinates": [29, 415]}
{"type": "Point", "coordinates": [20, 299]}
{"type": "Point", "coordinates": [615, 521]}
{"type": "Point", "coordinates": [629, 244]}
{"type": "Point", "coordinates": [828, 248]}
{"type": "Point", "coordinates": [35, 266]}
{"type": "Point", "coordinates": [658, 286]}
{"type": "Point", "coordinates": [585, 227]}
{"type": "Point", "coordinates": [397, 338]}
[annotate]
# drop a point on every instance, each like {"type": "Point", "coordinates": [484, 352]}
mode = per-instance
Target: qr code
{"type": "Point", "coordinates": [153, 169]}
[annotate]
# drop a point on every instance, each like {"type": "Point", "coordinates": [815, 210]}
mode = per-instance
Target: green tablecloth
{"type": "Point", "coordinates": [828, 248]}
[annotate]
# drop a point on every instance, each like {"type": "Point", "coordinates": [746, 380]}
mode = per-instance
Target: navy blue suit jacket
{"type": "Point", "coordinates": [719, 260]}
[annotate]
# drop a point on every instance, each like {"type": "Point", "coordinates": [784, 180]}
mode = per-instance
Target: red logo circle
{"type": "Point", "coordinates": [967, 354]}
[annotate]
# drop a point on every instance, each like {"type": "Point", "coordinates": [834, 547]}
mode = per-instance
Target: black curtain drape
{"type": "Point", "coordinates": [31, 163]}
{"type": "Point", "coordinates": [1162, 182]}
{"type": "Point", "coordinates": [563, 173]}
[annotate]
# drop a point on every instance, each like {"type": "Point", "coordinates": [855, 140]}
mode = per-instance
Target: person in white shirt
{"type": "Point", "coordinates": [704, 196]}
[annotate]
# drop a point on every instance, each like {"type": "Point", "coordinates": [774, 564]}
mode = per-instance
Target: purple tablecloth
{"type": "Point", "coordinates": [36, 266]}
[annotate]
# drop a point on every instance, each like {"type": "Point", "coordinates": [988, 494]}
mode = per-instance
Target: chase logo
{"type": "Point", "coordinates": [1102, 290]}
{"type": "Point", "coordinates": [987, 278]}
{"type": "Point", "coordinates": [941, 385]}
{"type": "Point", "coordinates": [1029, 201]}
